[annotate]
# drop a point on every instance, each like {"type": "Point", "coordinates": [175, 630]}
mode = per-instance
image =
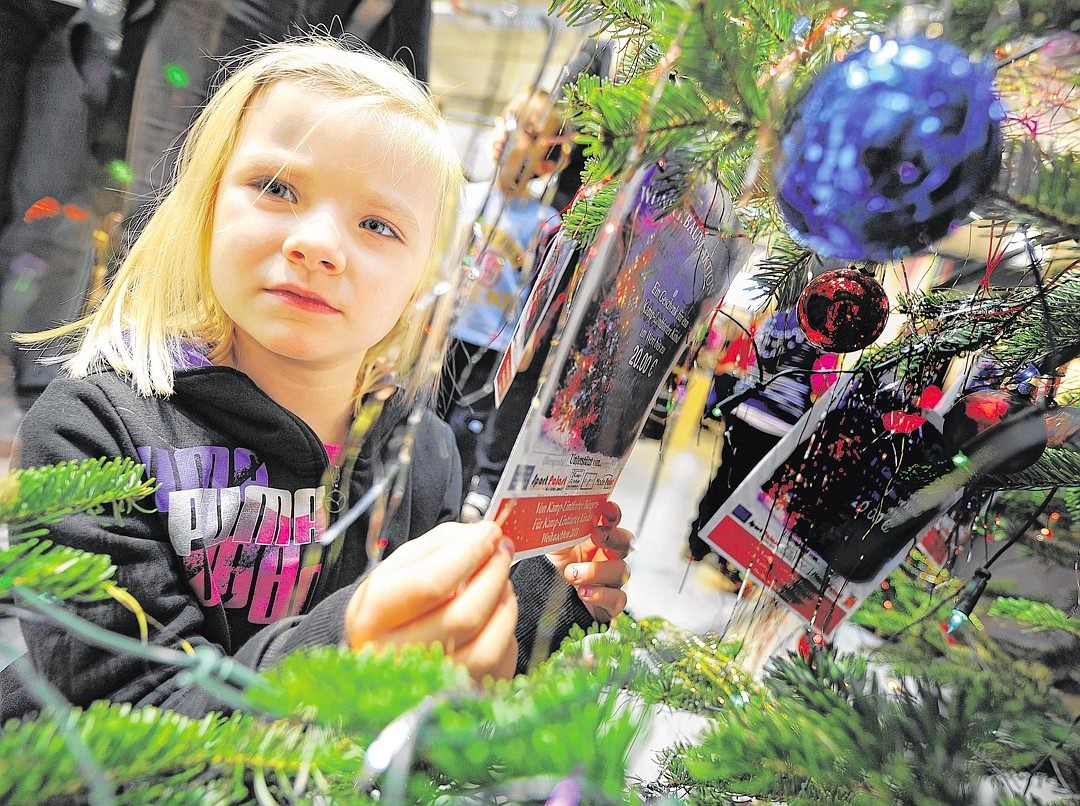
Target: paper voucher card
{"type": "Point", "coordinates": [665, 256]}
{"type": "Point", "coordinates": [835, 506]}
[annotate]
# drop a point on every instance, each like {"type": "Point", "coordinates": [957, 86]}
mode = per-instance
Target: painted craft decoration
{"type": "Point", "coordinates": [665, 257]}
{"type": "Point", "coordinates": [553, 266]}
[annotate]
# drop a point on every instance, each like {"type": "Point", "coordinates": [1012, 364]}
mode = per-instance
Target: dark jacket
{"type": "Point", "coordinates": [226, 553]}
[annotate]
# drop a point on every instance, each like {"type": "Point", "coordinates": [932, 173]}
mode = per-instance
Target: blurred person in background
{"type": "Point", "coordinates": [508, 218]}
{"type": "Point", "coordinates": [500, 432]}
{"type": "Point", "coordinates": [773, 370]}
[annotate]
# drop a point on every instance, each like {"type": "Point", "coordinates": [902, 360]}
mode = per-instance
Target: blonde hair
{"type": "Point", "coordinates": [161, 295]}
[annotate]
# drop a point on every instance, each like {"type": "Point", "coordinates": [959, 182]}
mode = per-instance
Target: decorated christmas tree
{"type": "Point", "coordinates": [854, 135]}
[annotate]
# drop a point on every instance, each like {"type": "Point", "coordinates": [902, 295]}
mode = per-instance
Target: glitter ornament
{"type": "Point", "coordinates": [997, 430]}
{"type": "Point", "coordinates": [843, 310]}
{"type": "Point", "coordinates": [889, 149]}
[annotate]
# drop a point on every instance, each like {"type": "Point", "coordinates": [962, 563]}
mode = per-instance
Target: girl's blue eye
{"type": "Point", "coordinates": [378, 227]}
{"type": "Point", "coordinates": [277, 189]}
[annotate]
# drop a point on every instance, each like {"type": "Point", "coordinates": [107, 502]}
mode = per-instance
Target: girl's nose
{"type": "Point", "coordinates": [316, 244]}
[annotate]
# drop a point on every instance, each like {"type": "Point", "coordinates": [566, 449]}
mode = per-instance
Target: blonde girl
{"type": "Point", "coordinates": [230, 356]}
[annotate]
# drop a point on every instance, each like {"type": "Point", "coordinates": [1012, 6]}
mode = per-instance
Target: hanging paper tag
{"type": "Point", "coordinates": [665, 256]}
{"type": "Point", "coordinates": [833, 508]}
{"type": "Point", "coordinates": [552, 267]}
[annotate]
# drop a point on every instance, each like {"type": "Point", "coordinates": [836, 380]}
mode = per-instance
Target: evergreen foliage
{"type": "Point", "coordinates": [36, 497]}
{"type": "Point", "coordinates": [712, 80]}
{"type": "Point", "coordinates": [57, 571]}
{"type": "Point", "coordinates": [834, 733]}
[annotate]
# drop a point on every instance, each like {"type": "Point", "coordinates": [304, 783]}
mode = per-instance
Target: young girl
{"type": "Point", "coordinates": [230, 356]}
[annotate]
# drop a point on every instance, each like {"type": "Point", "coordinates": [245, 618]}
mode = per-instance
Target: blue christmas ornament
{"type": "Point", "coordinates": [888, 149]}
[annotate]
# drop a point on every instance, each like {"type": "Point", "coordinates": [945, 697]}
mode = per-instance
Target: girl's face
{"type": "Point", "coordinates": [322, 229]}
{"type": "Point", "coordinates": [533, 149]}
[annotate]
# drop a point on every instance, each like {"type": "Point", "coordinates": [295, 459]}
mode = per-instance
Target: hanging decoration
{"type": "Point", "coordinates": [888, 149]}
{"type": "Point", "coordinates": [1002, 427]}
{"type": "Point", "coordinates": [843, 310]}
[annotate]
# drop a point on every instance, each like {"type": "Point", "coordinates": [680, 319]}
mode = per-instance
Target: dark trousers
{"type": "Point", "coordinates": [178, 65]}
{"type": "Point", "coordinates": [25, 25]}
{"type": "Point", "coordinates": [744, 447]}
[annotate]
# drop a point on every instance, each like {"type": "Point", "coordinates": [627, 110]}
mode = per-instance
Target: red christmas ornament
{"type": "Point", "coordinates": [1002, 428]}
{"type": "Point", "coordinates": [843, 310]}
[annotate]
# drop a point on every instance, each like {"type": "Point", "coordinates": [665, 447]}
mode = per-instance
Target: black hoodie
{"type": "Point", "coordinates": [227, 552]}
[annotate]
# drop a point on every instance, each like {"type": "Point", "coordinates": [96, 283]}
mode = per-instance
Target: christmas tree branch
{"type": "Point", "coordinates": [617, 18]}
{"type": "Point", "coordinates": [60, 572]}
{"type": "Point", "coordinates": [784, 272]}
{"type": "Point", "coordinates": [35, 497]}
{"type": "Point", "coordinates": [1034, 616]}
{"type": "Point", "coordinates": [1057, 467]}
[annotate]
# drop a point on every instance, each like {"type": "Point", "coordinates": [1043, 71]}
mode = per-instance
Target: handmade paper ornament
{"type": "Point", "coordinates": [889, 148]}
{"type": "Point", "coordinates": [843, 310]}
{"type": "Point", "coordinates": [1000, 431]}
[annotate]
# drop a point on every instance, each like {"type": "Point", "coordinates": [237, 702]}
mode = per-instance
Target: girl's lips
{"type": "Point", "coordinates": [301, 301]}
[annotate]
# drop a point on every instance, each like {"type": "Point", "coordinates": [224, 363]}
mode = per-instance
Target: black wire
{"type": "Point", "coordinates": [1022, 530]}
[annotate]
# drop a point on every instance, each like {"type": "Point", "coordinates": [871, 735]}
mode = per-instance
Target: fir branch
{"type": "Point", "coordinates": [616, 18]}
{"type": "Point", "coordinates": [784, 272]}
{"type": "Point", "coordinates": [726, 56]}
{"type": "Point", "coordinates": [356, 691]}
{"type": "Point", "coordinates": [1043, 188]}
{"type": "Point", "coordinates": [833, 733]}
{"type": "Point", "coordinates": [589, 210]}
{"type": "Point", "coordinates": [609, 119]}
{"type": "Point", "coordinates": [980, 23]}
{"type": "Point", "coordinates": [693, 672]}
{"type": "Point", "coordinates": [60, 572]}
{"type": "Point", "coordinates": [1057, 467]}
{"type": "Point", "coordinates": [145, 746]}
{"type": "Point", "coordinates": [1008, 323]}
{"type": "Point", "coordinates": [564, 718]}
{"type": "Point", "coordinates": [1034, 616]}
{"type": "Point", "coordinates": [39, 496]}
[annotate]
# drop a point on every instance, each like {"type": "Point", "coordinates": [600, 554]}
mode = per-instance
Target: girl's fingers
{"type": "Point", "coordinates": [604, 603]}
{"type": "Point", "coordinates": [493, 653]}
{"type": "Point", "coordinates": [425, 583]}
{"type": "Point", "coordinates": [614, 541]}
{"type": "Point", "coordinates": [412, 583]}
{"type": "Point", "coordinates": [459, 620]}
{"type": "Point", "coordinates": [610, 514]}
{"type": "Point", "coordinates": [611, 573]}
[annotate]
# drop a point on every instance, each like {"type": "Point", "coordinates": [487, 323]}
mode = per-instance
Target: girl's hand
{"type": "Point", "coordinates": [597, 568]}
{"type": "Point", "coordinates": [450, 586]}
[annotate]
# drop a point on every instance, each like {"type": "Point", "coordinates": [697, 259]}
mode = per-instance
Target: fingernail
{"type": "Point", "coordinates": [575, 572]}
{"type": "Point", "coordinates": [507, 545]}
{"type": "Point", "coordinates": [584, 593]}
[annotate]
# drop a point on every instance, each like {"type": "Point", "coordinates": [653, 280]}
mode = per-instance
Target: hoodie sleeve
{"type": "Point", "coordinates": [75, 420]}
